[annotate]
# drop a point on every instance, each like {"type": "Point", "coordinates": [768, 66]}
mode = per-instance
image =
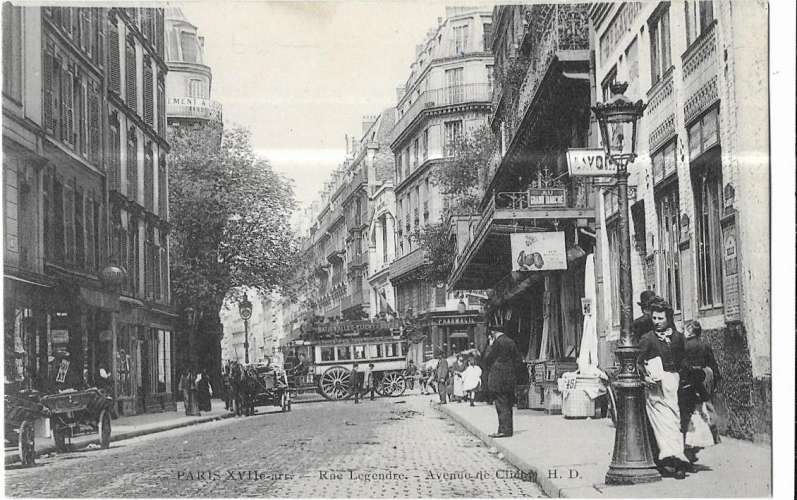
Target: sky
{"type": "Point", "coordinates": [301, 75]}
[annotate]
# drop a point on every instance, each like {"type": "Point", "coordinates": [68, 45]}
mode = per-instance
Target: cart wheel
{"type": "Point", "coordinates": [334, 383]}
{"type": "Point", "coordinates": [58, 436]}
{"type": "Point", "coordinates": [105, 429]}
{"type": "Point", "coordinates": [27, 443]}
{"type": "Point", "coordinates": [393, 384]}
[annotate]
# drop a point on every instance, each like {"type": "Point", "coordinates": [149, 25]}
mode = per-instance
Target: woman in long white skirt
{"type": "Point", "coordinates": [471, 379]}
{"type": "Point", "coordinates": [458, 368]}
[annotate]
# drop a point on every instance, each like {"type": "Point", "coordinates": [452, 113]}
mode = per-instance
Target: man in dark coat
{"type": "Point", "coordinates": [502, 358]}
{"type": "Point", "coordinates": [441, 375]}
{"type": "Point", "coordinates": [643, 324]}
{"type": "Point", "coordinates": [355, 383]}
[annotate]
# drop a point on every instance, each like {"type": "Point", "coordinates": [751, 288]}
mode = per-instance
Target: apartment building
{"type": "Point", "coordinates": [447, 94]}
{"type": "Point", "coordinates": [84, 175]}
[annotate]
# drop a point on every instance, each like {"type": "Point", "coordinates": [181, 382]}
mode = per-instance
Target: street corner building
{"type": "Point", "coordinates": [85, 182]}
{"type": "Point", "coordinates": [698, 190]}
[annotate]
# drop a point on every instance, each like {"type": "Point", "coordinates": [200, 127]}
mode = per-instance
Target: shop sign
{"type": "Point", "coordinates": [60, 336]}
{"type": "Point", "coordinates": [589, 162]}
{"type": "Point", "coordinates": [731, 299]}
{"type": "Point", "coordinates": [547, 197]}
{"type": "Point", "coordinates": [543, 251]}
{"type": "Point", "coordinates": [586, 306]}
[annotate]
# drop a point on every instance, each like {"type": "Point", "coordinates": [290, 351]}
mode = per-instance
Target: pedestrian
{"type": "Point", "coordinates": [228, 396]}
{"type": "Point", "coordinates": [441, 376]}
{"type": "Point", "coordinates": [370, 380]}
{"type": "Point", "coordinates": [702, 375]}
{"type": "Point", "coordinates": [502, 357]}
{"type": "Point", "coordinates": [412, 374]}
{"type": "Point", "coordinates": [458, 368]}
{"type": "Point", "coordinates": [471, 379]}
{"type": "Point", "coordinates": [204, 391]}
{"type": "Point", "coordinates": [661, 358]}
{"type": "Point", "coordinates": [643, 324]}
{"type": "Point", "coordinates": [354, 382]}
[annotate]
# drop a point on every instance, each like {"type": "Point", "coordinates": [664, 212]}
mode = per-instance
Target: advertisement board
{"type": "Point", "coordinates": [543, 251]}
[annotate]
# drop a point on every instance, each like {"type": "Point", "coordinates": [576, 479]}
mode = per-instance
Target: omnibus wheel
{"type": "Point", "coordinates": [104, 429]}
{"type": "Point", "coordinates": [334, 383]}
{"type": "Point", "coordinates": [393, 384]}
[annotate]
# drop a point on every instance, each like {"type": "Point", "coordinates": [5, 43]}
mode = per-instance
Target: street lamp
{"type": "Point", "coordinates": [245, 311]}
{"type": "Point", "coordinates": [632, 461]}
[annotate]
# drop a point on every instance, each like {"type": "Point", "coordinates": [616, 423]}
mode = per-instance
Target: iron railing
{"type": "Point", "coordinates": [447, 96]}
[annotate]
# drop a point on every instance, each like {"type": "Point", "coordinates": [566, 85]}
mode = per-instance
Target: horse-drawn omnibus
{"type": "Point", "coordinates": [337, 345]}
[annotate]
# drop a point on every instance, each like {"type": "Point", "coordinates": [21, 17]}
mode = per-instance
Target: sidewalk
{"type": "Point", "coordinates": [569, 458]}
{"type": "Point", "coordinates": [133, 426]}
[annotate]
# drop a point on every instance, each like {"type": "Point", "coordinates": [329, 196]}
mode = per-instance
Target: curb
{"type": "Point", "coordinates": [14, 458]}
{"type": "Point", "coordinates": [550, 487]}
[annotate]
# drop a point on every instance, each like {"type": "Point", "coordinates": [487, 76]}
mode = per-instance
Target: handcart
{"type": "Point", "coordinates": [79, 413]}
{"type": "Point", "coordinates": [21, 411]}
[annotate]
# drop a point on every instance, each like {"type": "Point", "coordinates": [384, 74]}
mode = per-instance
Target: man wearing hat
{"type": "Point", "coordinates": [643, 324]}
{"type": "Point", "coordinates": [441, 375]}
{"type": "Point", "coordinates": [502, 358]}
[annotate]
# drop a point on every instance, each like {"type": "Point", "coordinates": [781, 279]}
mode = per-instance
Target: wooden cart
{"type": "Point", "coordinates": [79, 413]}
{"type": "Point", "coordinates": [21, 411]}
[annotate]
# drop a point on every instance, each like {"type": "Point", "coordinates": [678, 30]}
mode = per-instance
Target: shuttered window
{"type": "Point", "coordinates": [80, 229]}
{"type": "Point", "coordinates": [113, 58]}
{"type": "Point", "coordinates": [148, 90]}
{"type": "Point", "coordinates": [130, 76]}
{"type": "Point", "coordinates": [99, 38]}
{"type": "Point", "coordinates": [69, 221]}
{"type": "Point", "coordinates": [95, 138]}
{"type": "Point", "coordinates": [149, 186]}
{"type": "Point", "coordinates": [163, 190]}
{"type": "Point", "coordinates": [132, 165]}
{"type": "Point", "coordinates": [68, 106]}
{"type": "Point", "coordinates": [81, 134]}
{"type": "Point", "coordinates": [114, 154]}
{"type": "Point", "coordinates": [161, 110]}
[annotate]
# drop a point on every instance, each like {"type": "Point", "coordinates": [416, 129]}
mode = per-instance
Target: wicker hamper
{"type": "Point", "coordinates": [577, 404]}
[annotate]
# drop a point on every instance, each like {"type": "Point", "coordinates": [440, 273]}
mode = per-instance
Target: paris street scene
{"type": "Point", "coordinates": [387, 249]}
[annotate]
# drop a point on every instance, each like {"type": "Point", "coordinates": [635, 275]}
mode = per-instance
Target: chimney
{"type": "Point", "coordinates": [368, 121]}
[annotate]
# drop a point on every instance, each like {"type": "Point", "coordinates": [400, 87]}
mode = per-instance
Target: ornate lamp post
{"type": "Point", "coordinates": [245, 310]}
{"type": "Point", "coordinates": [632, 461]}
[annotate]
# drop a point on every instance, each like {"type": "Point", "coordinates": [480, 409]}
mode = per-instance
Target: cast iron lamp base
{"type": "Point", "coordinates": [632, 462]}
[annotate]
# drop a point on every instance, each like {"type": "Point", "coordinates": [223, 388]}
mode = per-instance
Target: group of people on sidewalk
{"type": "Point", "coordinates": [196, 389]}
{"type": "Point", "coordinates": [681, 376]}
{"type": "Point", "coordinates": [460, 381]}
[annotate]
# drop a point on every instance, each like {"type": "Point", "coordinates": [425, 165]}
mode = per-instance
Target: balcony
{"type": "Point", "coordinates": [553, 31]}
{"type": "Point", "coordinates": [660, 114]}
{"type": "Point", "coordinates": [193, 107]}
{"type": "Point", "coordinates": [438, 99]}
{"type": "Point", "coordinates": [403, 267]}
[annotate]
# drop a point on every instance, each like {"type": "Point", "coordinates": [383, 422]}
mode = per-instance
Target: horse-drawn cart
{"type": "Point", "coordinates": [270, 386]}
{"type": "Point", "coordinates": [21, 411]}
{"type": "Point", "coordinates": [79, 413]}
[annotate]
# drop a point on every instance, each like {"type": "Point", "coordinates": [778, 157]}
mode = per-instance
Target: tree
{"type": "Point", "coordinates": [440, 251]}
{"type": "Point", "coordinates": [464, 177]}
{"type": "Point", "coordinates": [229, 212]}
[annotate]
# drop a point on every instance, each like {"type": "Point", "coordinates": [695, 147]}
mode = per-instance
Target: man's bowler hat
{"type": "Point", "coordinates": [646, 297]}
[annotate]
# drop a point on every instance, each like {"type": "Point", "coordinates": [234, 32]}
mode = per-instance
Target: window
{"type": "Point", "coordinates": [163, 189]}
{"type": "Point", "coordinates": [130, 76]}
{"type": "Point", "coordinates": [52, 89]}
{"type": "Point", "coordinates": [669, 228]}
{"type": "Point", "coordinates": [68, 105]}
{"type": "Point", "coordinates": [704, 133]}
{"type": "Point", "coordinates": [94, 137]}
{"type": "Point", "coordinates": [699, 16]}
{"type": "Point", "coordinates": [196, 88]}
{"type": "Point", "coordinates": [392, 350]}
{"type": "Point", "coordinates": [375, 351]}
{"type": "Point", "coordinates": [149, 109]}
{"type": "Point", "coordinates": [660, 44]}
{"type": "Point", "coordinates": [453, 132]}
{"type": "Point", "coordinates": [425, 144]}
{"type": "Point", "coordinates": [327, 353]}
{"type": "Point", "coordinates": [69, 220]}
{"type": "Point", "coordinates": [415, 153]}
{"type": "Point", "coordinates": [359, 352]}
{"type": "Point", "coordinates": [607, 82]}
{"type": "Point", "coordinates": [12, 51]}
{"type": "Point", "coordinates": [461, 34]}
{"type": "Point", "coordinates": [440, 296]}
{"type": "Point", "coordinates": [344, 353]}
{"type": "Point", "coordinates": [454, 80]}
{"type": "Point", "coordinates": [490, 75]}
{"type": "Point", "coordinates": [707, 182]}
{"type": "Point", "coordinates": [398, 167]}
{"type": "Point", "coordinates": [133, 255]}
{"type": "Point", "coordinates": [114, 153]}
{"type": "Point", "coordinates": [161, 105]}
{"type": "Point", "coordinates": [132, 165]}
{"type": "Point", "coordinates": [79, 99]}
{"type": "Point", "coordinates": [488, 36]}
{"type": "Point", "coordinates": [149, 185]}
{"type": "Point", "coordinates": [188, 44]}
{"type": "Point", "coordinates": [664, 163]}
{"type": "Point", "coordinates": [58, 221]}
{"type": "Point", "coordinates": [80, 235]}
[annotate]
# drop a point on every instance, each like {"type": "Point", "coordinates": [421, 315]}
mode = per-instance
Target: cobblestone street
{"type": "Point", "coordinates": [399, 447]}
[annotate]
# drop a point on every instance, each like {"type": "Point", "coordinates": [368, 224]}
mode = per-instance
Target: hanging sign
{"type": "Point", "coordinates": [589, 162]}
{"type": "Point", "coordinates": [547, 197]}
{"type": "Point", "coordinates": [544, 251]}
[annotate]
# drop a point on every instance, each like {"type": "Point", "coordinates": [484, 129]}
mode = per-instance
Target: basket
{"type": "Point", "coordinates": [522, 397]}
{"type": "Point", "coordinates": [536, 397]}
{"type": "Point", "coordinates": [556, 368]}
{"type": "Point", "coordinates": [577, 404]}
{"type": "Point", "coordinates": [553, 400]}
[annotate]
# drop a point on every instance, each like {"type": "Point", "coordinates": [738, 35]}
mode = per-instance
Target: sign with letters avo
{"type": "Point", "coordinates": [543, 251]}
{"type": "Point", "coordinates": [589, 162]}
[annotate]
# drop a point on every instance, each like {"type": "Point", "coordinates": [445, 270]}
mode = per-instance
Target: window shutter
{"type": "Point", "coordinates": [99, 22]}
{"type": "Point", "coordinates": [90, 262]}
{"type": "Point", "coordinates": [69, 220]}
{"type": "Point", "coordinates": [68, 128]}
{"type": "Point", "coordinates": [130, 77]}
{"type": "Point", "coordinates": [48, 84]}
{"type": "Point", "coordinates": [113, 58]}
{"type": "Point", "coordinates": [94, 127]}
{"type": "Point", "coordinates": [82, 112]}
{"type": "Point", "coordinates": [148, 109]}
